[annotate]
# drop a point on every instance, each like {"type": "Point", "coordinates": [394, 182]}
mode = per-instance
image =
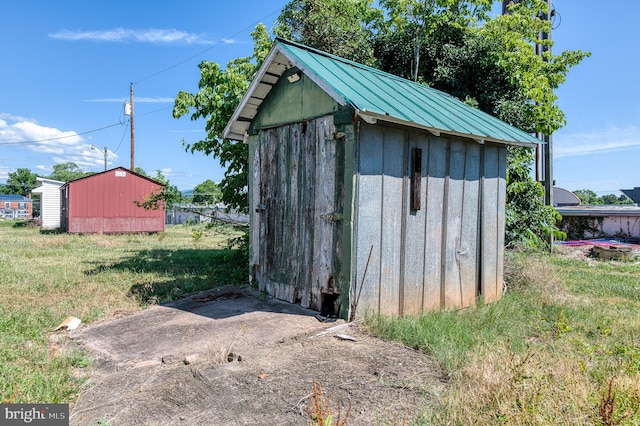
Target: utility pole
{"type": "Point", "coordinates": [106, 152]}
{"type": "Point", "coordinates": [544, 152]}
{"type": "Point", "coordinates": [547, 139]}
{"type": "Point", "coordinates": [132, 127]}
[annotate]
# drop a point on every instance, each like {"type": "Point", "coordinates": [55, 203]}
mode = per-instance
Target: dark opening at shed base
{"type": "Point", "coordinates": [328, 308]}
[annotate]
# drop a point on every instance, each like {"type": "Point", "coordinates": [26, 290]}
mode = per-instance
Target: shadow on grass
{"type": "Point", "coordinates": [55, 231]}
{"type": "Point", "coordinates": [175, 273]}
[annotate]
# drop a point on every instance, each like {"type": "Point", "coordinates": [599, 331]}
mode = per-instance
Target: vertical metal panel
{"type": "Point", "coordinates": [467, 254]}
{"type": "Point", "coordinates": [368, 219]}
{"type": "Point", "coordinates": [489, 224]}
{"type": "Point", "coordinates": [454, 187]}
{"type": "Point", "coordinates": [434, 227]}
{"type": "Point", "coordinates": [415, 228]}
{"type": "Point", "coordinates": [347, 271]}
{"type": "Point", "coordinates": [502, 202]}
{"type": "Point", "coordinates": [393, 216]}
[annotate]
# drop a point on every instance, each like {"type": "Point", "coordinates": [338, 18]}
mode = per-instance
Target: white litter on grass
{"type": "Point", "coordinates": [70, 323]}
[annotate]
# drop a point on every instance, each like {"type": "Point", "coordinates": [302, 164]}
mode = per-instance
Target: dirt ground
{"type": "Point", "coordinates": [226, 357]}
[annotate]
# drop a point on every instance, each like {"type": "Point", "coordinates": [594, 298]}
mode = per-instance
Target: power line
{"type": "Point", "coordinates": [143, 79]}
{"type": "Point", "coordinates": [208, 48]}
{"type": "Point", "coordinates": [60, 137]}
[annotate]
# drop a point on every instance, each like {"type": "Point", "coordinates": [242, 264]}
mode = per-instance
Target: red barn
{"type": "Point", "coordinates": [106, 203]}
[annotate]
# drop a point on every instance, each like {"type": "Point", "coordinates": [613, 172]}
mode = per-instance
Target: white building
{"type": "Point", "coordinates": [49, 191]}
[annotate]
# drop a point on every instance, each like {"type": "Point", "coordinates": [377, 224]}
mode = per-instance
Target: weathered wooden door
{"type": "Point", "coordinates": [297, 199]}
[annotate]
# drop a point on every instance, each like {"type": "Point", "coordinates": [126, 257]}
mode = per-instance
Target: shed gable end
{"type": "Point", "coordinates": [294, 98]}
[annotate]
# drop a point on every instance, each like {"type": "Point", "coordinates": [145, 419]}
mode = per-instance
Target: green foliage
{"type": "Point", "coordinates": [68, 171]}
{"type": "Point", "coordinates": [208, 192]}
{"type": "Point", "coordinates": [139, 170]}
{"type": "Point", "coordinates": [451, 45]}
{"type": "Point", "coordinates": [20, 182]}
{"type": "Point", "coordinates": [535, 77]}
{"type": "Point", "coordinates": [339, 27]}
{"type": "Point", "coordinates": [528, 221]}
{"type": "Point", "coordinates": [220, 93]}
{"type": "Point", "coordinates": [165, 198]}
{"type": "Point", "coordinates": [413, 28]}
{"type": "Point", "coordinates": [588, 197]}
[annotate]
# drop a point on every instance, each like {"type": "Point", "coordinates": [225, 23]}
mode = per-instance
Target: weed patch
{"type": "Point", "coordinates": [544, 354]}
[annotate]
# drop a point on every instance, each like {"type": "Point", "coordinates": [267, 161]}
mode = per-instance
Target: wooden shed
{"type": "Point", "coordinates": [369, 192]}
{"type": "Point", "coordinates": [106, 203]}
{"type": "Point", "coordinates": [49, 191]}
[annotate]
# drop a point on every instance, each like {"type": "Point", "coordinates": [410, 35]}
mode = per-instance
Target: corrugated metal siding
{"type": "Point", "coordinates": [104, 203]}
{"type": "Point", "coordinates": [443, 255]}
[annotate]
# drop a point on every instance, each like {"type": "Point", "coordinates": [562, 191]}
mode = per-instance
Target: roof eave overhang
{"type": "Point", "coordinates": [272, 68]}
{"type": "Point", "coordinates": [372, 118]}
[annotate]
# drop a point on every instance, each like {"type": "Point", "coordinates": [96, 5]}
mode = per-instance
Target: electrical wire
{"type": "Point", "coordinates": [60, 137]}
{"type": "Point", "coordinates": [138, 81]}
{"type": "Point", "coordinates": [208, 48]}
{"type": "Point", "coordinates": [121, 139]}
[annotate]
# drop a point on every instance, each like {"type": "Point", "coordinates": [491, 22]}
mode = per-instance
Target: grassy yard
{"type": "Point", "coordinates": [46, 277]}
{"type": "Point", "coordinates": [562, 347]}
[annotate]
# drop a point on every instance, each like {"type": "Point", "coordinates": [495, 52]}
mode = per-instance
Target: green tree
{"type": "Point", "coordinates": [623, 199]}
{"type": "Point", "coordinates": [20, 182]}
{"type": "Point", "coordinates": [164, 198]}
{"type": "Point", "coordinates": [207, 192]}
{"type": "Point", "coordinates": [451, 45]}
{"type": "Point", "coordinates": [68, 171]}
{"type": "Point", "coordinates": [494, 67]}
{"type": "Point", "coordinates": [527, 220]}
{"type": "Point", "coordinates": [139, 170]}
{"type": "Point", "coordinates": [587, 197]}
{"type": "Point", "coordinates": [403, 40]}
{"type": "Point", "coordinates": [339, 27]}
{"type": "Point", "coordinates": [220, 93]}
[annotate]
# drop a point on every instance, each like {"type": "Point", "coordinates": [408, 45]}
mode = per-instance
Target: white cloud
{"type": "Point", "coordinates": [65, 146]}
{"type": "Point", "coordinates": [118, 35]}
{"type": "Point", "coordinates": [607, 140]}
{"type": "Point", "coordinates": [20, 130]}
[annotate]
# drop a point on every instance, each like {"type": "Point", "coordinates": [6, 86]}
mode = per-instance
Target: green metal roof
{"type": "Point", "coordinates": [374, 95]}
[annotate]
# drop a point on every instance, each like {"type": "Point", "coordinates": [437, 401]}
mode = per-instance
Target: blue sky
{"type": "Point", "coordinates": [67, 68]}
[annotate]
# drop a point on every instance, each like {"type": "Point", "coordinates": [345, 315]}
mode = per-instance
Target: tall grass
{"type": "Point", "coordinates": [47, 276]}
{"type": "Point", "coordinates": [561, 347]}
